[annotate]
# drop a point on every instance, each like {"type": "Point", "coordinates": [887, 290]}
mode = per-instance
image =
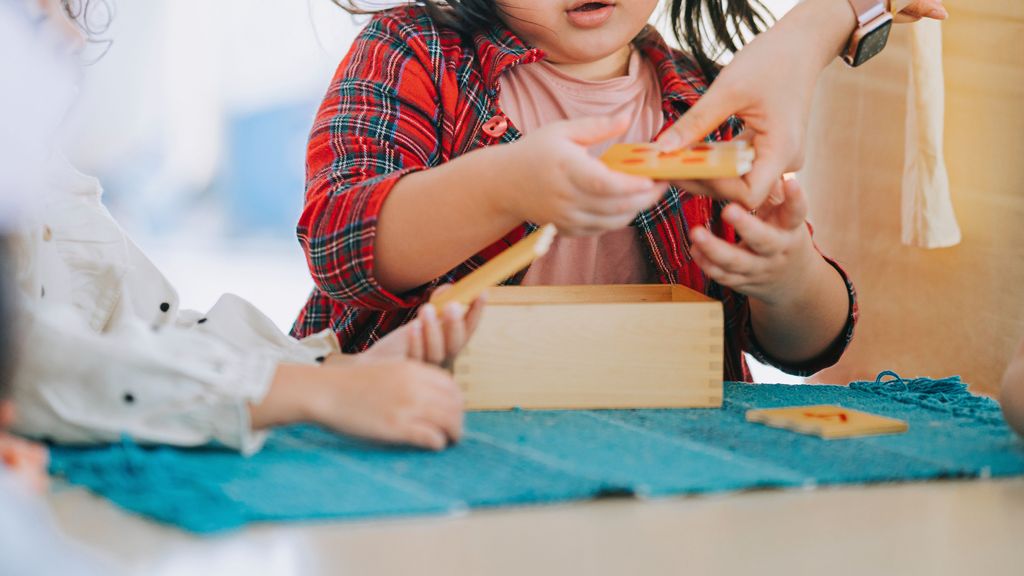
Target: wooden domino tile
{"type": "Point", "coordinates": [701, 162]}
{"type": "Point", "coordinates": [827, 421]}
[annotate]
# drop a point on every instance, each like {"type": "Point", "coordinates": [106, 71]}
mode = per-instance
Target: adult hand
{"type": "Point", "coordinates": [914, 10]}
{"type": "Point", "coordinates": [769, 85]}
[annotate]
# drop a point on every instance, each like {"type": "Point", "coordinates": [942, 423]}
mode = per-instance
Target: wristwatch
{"type": "Point", "coordinates": [873, 24]}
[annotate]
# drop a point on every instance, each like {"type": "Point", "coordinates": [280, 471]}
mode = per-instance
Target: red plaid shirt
{"type": "Point", "coordinates": [410, 96]}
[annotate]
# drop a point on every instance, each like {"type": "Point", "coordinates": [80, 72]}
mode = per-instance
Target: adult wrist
{"type": "Point", "coordinates": [830, 24]}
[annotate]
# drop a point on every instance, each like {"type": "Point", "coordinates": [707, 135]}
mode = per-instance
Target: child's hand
{"type": "Point", "coordinates": [431, 337]}
{"type": "Point", "coordinates": [775, 252]}
{"type": "Point", "coordinates": [559, 182]}
{"type": "Point", "coordinates": [26, 460]}
{"type": "Point", "coordinates": [393, 401]}
{"type": "Point", "coordinates": [399, 402]}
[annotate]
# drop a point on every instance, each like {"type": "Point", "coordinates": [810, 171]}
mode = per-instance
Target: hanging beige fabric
{"type": "Point", "coordinates": [928, 219]}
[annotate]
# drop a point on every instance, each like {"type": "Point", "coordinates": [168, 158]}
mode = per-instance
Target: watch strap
{"type": "Point", "coordinates": [867, 10]}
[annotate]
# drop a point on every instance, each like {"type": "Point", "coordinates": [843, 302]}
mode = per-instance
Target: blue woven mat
{"type": "Point", "coordinates": [518, 457]}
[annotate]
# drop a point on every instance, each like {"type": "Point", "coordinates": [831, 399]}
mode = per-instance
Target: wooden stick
{"type": "Point", "coordinates": [500, 268]}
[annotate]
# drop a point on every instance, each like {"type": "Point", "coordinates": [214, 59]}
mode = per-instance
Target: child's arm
{"type": "Point", "coordinates": [799, 303]}
{"type": "Point", "coordinates": [397, 401]}
{"type": "Point", "coordinates": [188, 388]}
{"type": "Point", "coordinates": [437, 218]}
{"type": "Point", "coordinates": [1012, 396]}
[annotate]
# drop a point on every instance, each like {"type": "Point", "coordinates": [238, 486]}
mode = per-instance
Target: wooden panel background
{"type": "Point", "coordinates": [928, 312]}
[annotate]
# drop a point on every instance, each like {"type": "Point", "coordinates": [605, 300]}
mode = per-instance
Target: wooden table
{"type": "Point", "coordinates": [954, 527]}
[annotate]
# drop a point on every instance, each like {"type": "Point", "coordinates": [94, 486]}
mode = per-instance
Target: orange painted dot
{"type": "Point", "coordinates": [640, 150]}
{"type": "Point", "coordinates": [692, 160]}
{"type": "Point", "coordinates": [633, 161]}
{"type": "Point", "coordinates": [669, 154]}
{"type": "Point", "coordinates": [702, 147]}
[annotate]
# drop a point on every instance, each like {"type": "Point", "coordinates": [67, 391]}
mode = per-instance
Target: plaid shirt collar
{"type": "Point", "coordinates": [499, 50]}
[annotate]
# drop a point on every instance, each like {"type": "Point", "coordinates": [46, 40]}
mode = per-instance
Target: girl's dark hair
{"type": "Point", "coordinates": [6, 319]}
{"type": "Point", "coordinates": [707, 28]}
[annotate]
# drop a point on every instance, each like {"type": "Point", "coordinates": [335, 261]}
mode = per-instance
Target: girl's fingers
{"type": "Point", "coordinates": [595, 179]}
{"type": "Point", "coordinates": [717, 274]}
{"type": "Point", "coordinates": [433, 335]}
{"type": "Point", "coordinates": [476, 311]}
{"type": "Point", "coordinates": [594, 130]}
{"type": "Point", "coordinates": [414, 349]}
{"type": "Point", "coordinates": [711, 270]}
{"type": "Point", "coordinates": [443, 388]}
{"type": "Point", "coordinates": [734, 189]}
{"type": "Point", "coordinates": [445, 415]}
{"type": "Point", "coordinates": [921, 9]}
{"type": "Point", "coordinates": [621, 215]}
{"type": "Point", "coordinates": [762, 238]}
{"type": "Point", "coordinates": [792, 213]}
{"type": "Point", "coordinates": [721, 254]}
{"type": "Point", "coordinates": [586, 224]}
{"type": "Point", "coordinates": [626, 204]}
{"type": "Point", "coordinates": [454, 328]}
{"type": "Point", "coordinates": [773, 158]}
{"type": "Point", "coordinates": [424, 435]}
{"type": "Point", "coordinates": [776, 197]}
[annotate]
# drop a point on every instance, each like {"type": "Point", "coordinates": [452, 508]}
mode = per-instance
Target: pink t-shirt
{"type": "Point", "coordinates": [533, 95]}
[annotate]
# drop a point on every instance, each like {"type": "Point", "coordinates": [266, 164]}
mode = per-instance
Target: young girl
{"type": "Point", "coordinates": [105, 350]}
{"type": "Point", "coordinates": [452, 130]}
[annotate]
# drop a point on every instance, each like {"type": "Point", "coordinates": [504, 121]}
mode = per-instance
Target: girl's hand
{"type": "Point", "coordinates": [392, 401]}
{"type": "Point", "coordinates": [769, 85]}
{"type": "Point", "coordinates": [26, 460]}
{"type": "Point", "coordinates": [776, 252]}
{"type": "Point", "coordinates": [559, 182]}
{"type": "Point", "coordinates": [432, 337]}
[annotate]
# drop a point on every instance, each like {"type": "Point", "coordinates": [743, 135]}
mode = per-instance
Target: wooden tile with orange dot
{"type": "Point", "coordinates": [704, 161]}
{"type": "Point", "coordinates": [827, 421]}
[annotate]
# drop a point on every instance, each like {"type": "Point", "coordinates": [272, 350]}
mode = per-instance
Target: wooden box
{"type": "Point", "coordinates": [639, 346]}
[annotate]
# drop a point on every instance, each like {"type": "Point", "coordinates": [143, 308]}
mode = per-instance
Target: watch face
{"type": "Point", "coordinates": [872, 43]}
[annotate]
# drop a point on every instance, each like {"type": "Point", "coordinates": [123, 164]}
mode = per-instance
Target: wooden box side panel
{"type": "Point", "coordinates": [654, 355]}
{"type": "Point", "coordinates": [603, 294]}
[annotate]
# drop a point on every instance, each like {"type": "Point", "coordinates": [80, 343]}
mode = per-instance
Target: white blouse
{"type": "Point", "coordinates": [106, 352]}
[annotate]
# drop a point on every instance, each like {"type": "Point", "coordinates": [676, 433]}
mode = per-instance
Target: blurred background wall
{"type": "Point", "coordinates": [194, 115]}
